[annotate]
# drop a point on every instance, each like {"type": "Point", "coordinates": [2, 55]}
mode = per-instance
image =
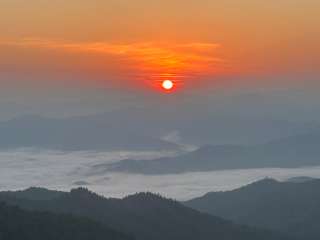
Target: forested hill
{"type": "Point", "coordinates": [17, 224]}
{"type": "Point", "coordinates": [290, 207]}
{"type": "Point", "coordinates": [146, 216]}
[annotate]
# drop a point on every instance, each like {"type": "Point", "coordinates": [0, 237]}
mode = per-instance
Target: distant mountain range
{"type": "Point", "coordinates": [143, 129]}
{"type": "Point", "coordinates": [295, 151]}
{"type": "Point", "coordinates": [289, 207]}
{"type": "Point", "coordinates": [145, 216]}
{"type": "Point", "coordinates": [301, 179]}
{"type": "Point", "coordinates": [97, 132]}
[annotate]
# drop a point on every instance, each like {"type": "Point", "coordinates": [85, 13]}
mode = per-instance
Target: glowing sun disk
{"type": "Point", "coordinates": [167, 84]}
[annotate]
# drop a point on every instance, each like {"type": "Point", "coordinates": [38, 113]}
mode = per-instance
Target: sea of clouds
{"type": "Point", "coordinates": [24, 168]}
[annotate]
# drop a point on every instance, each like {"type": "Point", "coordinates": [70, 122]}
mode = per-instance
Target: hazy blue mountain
{"type": "Point", "coordinates": [18, 224]}
{"type": "Point", "coordinates": [143, 128]}
{"type": "Point", "coordinates": [98, 132]}
{"type": "Point", "coordinates": [293, 208]}
{"type": "Point", "coordinates": [146, 216]}
{"type": "Point", "coordinates": [204, 159]}
{"type": "Point", "coordinates": [294, 151]}
{"type": "Point", "coordinates": [301, 179]}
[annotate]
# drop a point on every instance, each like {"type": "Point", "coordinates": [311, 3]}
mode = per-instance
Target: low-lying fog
{"type": "Point", "coordinates": [65, 170]}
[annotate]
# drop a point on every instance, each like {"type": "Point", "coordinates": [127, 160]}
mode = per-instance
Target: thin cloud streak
{"type": "Point", "coordinates": [152, 59]}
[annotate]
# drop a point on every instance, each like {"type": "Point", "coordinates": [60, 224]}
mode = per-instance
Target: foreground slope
{"type": "Point", "coordinates": [17, 224]}
{"type": "Point", "coordinates": [146, 216]}
{"type": "Point", "coordinates": [290, 207]}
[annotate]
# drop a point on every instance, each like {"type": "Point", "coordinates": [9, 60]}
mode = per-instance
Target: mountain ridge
{"type": "Point", "coordinates": [145, 216]}
{"type": "Point", "coordinates": [289, 207]}
{"type": "Point", "coordinates": [290, 152]}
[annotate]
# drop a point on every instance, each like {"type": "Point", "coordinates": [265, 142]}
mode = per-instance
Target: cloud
{"type": "Point", "coordinates": [60, 170]}
{"type": "Point", "coordinates": [158, 59]}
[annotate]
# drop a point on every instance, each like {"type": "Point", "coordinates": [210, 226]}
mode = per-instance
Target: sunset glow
{"type": "Point", "coordinates": [143, 50]}
{"type": "Point", "coordinates": [153, 61]}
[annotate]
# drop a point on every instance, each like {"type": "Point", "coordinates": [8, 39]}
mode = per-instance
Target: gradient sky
{"type": "Point", "coordinates": [53, 50]}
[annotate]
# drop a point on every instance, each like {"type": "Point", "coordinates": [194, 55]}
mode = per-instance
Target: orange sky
{"type": "Point", "coordinates": [146, 41]}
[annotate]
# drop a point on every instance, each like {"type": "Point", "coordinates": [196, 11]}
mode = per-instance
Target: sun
{"type": "Point", "coordinates": [167, 84]}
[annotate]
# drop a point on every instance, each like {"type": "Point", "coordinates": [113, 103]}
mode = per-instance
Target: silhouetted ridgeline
{"type": "Point", "coordinates": [290, 207]}
{"type": "Point", "coordinates": [145, 216]}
